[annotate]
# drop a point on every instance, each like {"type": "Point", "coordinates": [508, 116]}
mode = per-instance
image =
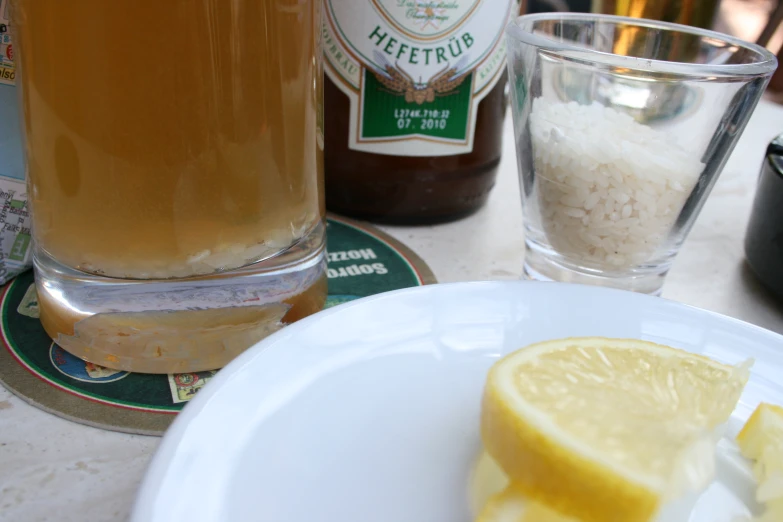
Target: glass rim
{"type": "Point", "coordinates": [765, 65]}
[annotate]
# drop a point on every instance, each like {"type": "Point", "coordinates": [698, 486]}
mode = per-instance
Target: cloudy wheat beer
{"type": "Point", "coordinates": [170, 138]}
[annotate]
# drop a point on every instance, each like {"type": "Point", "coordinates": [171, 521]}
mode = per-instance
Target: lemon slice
{"type": "Point", "coordinates": [486, 481]}
{"type": "Point", "coordinates": [493, 499]}
{"type": "Point", "coordinates": [511, 505]}
{"type": "Point", "coordinates": [761, 440]}
{"type": "Point", "coordinates": [605, 429]}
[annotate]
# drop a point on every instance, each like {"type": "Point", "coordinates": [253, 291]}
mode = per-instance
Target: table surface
{"type": "Point", "coordinates": [54, 469]}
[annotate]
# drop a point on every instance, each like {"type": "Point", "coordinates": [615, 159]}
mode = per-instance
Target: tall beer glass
{"type": "Point", "coordinates": [175, 174]}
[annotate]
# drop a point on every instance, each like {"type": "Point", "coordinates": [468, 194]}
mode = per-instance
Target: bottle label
{"type": "Point", "coordinates": [7, 71]}
{"type": "Point", "coordinates": [415, 70]}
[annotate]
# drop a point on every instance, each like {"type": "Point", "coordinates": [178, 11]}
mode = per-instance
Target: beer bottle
{"type": "Point", "coordinates": [414, 101]}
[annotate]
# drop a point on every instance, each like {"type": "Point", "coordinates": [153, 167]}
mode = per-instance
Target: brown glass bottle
{"type": "Point", "coordinates": [410, 189]}
{"type": "Point", "coordinates": [442, 64]}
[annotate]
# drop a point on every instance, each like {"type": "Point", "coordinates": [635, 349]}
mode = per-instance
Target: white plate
{"type": "Point", "coordinates": [368, 412]}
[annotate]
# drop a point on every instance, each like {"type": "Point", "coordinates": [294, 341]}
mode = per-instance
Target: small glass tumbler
{"type": "Point", "coordinates": [622, 126]}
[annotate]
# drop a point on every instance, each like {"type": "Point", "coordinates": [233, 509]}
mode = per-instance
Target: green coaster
{"type": "Point", "coordinates": [362, 261]}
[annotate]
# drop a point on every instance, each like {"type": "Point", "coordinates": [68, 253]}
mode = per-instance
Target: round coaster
{"type": "Point", "coordinates": [361, 260]}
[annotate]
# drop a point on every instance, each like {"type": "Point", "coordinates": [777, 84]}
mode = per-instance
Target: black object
{"type": "Point", "coordinates": [764, 237]}
{"type": "Point", "coordinates": [545, 6]}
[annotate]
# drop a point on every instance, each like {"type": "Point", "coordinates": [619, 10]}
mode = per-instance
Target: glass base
{"type": "Point", "coordinates": [179, 325]}
{"type": "Point", "coordinates": [544, 264]}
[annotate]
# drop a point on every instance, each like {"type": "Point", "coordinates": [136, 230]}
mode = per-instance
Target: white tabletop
{"type": "Point", "coordinates": [53, 469]}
